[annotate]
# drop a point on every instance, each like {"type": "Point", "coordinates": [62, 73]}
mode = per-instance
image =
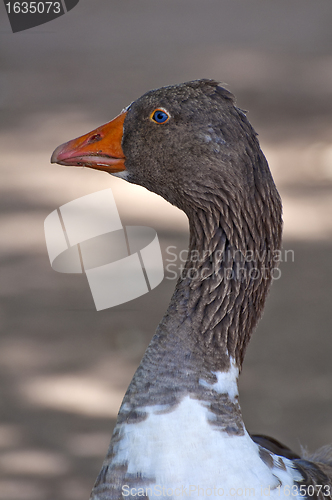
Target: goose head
{"type": "Point", "coordinates": [181, 142]}
{"type": "Point", "coordinates": [190, 144]}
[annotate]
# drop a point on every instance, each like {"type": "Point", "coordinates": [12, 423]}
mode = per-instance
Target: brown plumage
{"type": "Point", "coordinates": [190, 144]}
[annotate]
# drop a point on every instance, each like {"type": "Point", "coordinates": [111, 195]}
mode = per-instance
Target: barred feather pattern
{"type": "Point", "coordinates": [230, 279]}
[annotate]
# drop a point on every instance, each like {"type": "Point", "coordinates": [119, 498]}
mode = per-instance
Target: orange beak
{"type": "Point", "coordinates": [100, 149]}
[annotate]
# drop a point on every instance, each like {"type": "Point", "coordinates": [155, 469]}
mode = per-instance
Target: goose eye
{"type": "Point", "coordinates": [160, 116]}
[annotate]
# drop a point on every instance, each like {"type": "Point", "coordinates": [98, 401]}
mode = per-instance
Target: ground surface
{"type": "Point", "coordinates": [63, 366]}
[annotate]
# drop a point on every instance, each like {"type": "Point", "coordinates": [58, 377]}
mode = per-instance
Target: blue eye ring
{"type": "Point", "coordinates": [160, 115]}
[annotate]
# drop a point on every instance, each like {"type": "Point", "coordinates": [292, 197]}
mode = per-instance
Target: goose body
{"type": "Point", "coordinates": [180, 430]}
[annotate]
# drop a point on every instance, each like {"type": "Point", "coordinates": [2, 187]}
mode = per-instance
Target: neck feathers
{"type": "Point", "coordinates": [234, 246]}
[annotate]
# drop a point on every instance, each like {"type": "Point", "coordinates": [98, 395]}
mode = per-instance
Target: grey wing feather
{"type": "Point", "coordinates": [316, 469]}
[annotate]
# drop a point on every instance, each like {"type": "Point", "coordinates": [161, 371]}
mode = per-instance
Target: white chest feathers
{"type": "Point", "coordinates": [179, 453]}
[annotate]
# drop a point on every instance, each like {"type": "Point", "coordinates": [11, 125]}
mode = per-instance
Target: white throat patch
{"type": "Point", "coordinates": [181, 449]}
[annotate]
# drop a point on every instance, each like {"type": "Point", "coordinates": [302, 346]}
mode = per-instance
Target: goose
{"type": "Point", "coordinates": [179, 431]}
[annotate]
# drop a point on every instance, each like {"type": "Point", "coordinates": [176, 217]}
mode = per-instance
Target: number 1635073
{"type": "Point", "coordinates": [33, 7]}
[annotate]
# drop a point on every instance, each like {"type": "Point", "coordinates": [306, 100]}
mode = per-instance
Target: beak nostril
{"type": "Point", "coordinates": [94, 138]}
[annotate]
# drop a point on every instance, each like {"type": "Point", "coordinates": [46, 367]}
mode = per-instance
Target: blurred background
{"type": "Point", "coordinates": [64, 367]}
